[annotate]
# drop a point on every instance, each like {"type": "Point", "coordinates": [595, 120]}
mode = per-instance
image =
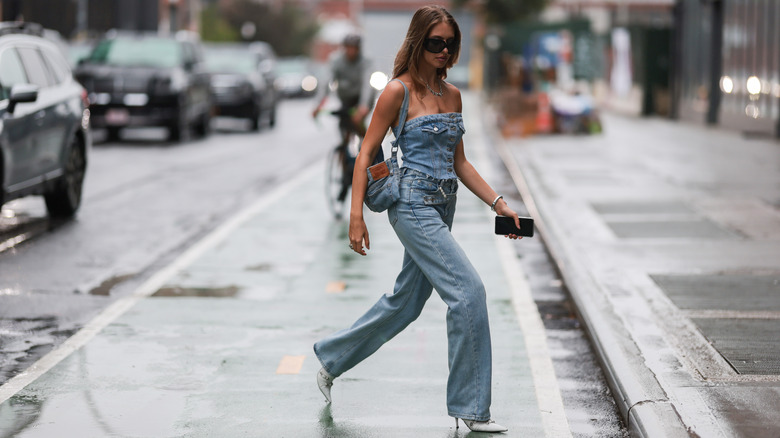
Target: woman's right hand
{"type": "Point", "coordinates": [358, 232]}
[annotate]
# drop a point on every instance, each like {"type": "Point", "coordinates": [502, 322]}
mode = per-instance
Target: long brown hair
{"type": "Point", "coordinates": [409, 54]}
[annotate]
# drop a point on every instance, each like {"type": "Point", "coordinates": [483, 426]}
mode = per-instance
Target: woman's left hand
{"type": "Point", "coordinates": [503, 209]}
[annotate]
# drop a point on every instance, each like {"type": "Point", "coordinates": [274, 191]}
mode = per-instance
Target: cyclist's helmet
{"type": "Point", "coordinates": [352, 39]}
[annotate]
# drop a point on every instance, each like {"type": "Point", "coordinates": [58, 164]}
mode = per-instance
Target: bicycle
{"type": "Point", "coordinates": [341, 162]}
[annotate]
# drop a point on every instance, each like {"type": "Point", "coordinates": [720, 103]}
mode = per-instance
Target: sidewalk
{"type": "Point", "coordinates": [222, 346]}
{"type": "Point", "coordinates": [668, 237]}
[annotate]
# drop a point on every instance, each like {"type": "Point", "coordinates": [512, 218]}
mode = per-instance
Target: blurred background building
{"type": "Point", "coordinates": [705, 61]}
{"type": "Point", "coordinates": [79, 18]}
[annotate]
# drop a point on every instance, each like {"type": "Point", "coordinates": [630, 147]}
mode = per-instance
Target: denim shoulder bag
{"type": "Point", "coordinates": [384, 179]}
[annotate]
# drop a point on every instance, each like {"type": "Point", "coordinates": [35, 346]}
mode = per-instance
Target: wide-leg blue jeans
{"type": "Point", "coordinates": [422, 219]}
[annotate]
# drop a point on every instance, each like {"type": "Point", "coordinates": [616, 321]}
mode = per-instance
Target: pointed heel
{"type": "Point", "coordinates": [325, 382]}
{"type": "Point", "coordinates": [483, 426]}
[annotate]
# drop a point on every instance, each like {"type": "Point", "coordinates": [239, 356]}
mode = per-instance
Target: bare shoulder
{"type": "Point", "coordinates": [452, 89]}
{"type": "Point", "coordinates": [454, 92]}
{"type": "Point", "coordinates": [392, 95]}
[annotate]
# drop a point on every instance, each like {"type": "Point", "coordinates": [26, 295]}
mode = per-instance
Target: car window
{"type": "Point", "coordinates": [226, 61]}
{"type": "Point", "coordinates": [190, 55]}
{"type": "Point", "coordinates": [57, 65]}
{"type": "Point", "coordinates": [142, 52]}
{"type": "Point", "coordinates": [11, 71]}
{"type": "Point", "coordinates": [37, 71]}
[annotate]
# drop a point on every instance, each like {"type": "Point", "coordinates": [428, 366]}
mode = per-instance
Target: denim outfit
{"type": "Point", "coordinates": [422, 219]}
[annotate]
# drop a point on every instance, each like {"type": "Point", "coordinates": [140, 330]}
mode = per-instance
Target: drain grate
{"type": "Point", "coordinates": [691, 229]}
{"type": "Point", "coordinates": [660, 207]}
{"type": "Point", "coordinates": [722, 292]}
{"type": "Point", "coordinates": [751, 346]}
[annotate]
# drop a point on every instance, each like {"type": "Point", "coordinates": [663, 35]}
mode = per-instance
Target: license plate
{"type": "Point", "coordinates": [117, 116]}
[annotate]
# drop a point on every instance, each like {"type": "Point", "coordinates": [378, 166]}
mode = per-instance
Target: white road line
{"type": "Point", "coordinates": [115, 310]}
{"type": "Point", "coordinates": [548, 393]}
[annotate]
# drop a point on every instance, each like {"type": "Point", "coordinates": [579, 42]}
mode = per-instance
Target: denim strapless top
{"type": "Point", "coordinates": [428, 144]}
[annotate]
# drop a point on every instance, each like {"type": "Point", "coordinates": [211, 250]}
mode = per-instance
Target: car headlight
{"type": "Point", "coordinates": [378, 80]}
{"type": "Point", "coordinates": [309, 83]}
{"type": "Point", "coordinates": [172, 83]}
{"type": "Point", "coordinates": [178, 80]}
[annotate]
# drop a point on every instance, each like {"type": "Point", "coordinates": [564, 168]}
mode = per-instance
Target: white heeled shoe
{"type": "Point", "coordinates": [482, 426]}
{"type": "Point", "coordinates": [324, 382]}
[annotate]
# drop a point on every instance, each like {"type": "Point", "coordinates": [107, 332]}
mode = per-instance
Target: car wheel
{"type": "Point", "coordinates": [272, 117]}
{"type": "Point", "coordinates": [179, 129]}
{"type": "Point", "coordinates": [254, 119]}
{"type": "Point", "coordinates": [112, 134]}
{"type": "Point", "coordinates": [65, 198]}
{"type": "Point", "coordinates": [204, 125]}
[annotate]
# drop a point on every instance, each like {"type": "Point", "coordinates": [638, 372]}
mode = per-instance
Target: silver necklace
{"type": "Point", "coordinates": [441, 90]}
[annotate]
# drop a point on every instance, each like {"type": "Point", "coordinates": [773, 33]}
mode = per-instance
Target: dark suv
{"type": "Point", "coordinates": [44, 120]}
{"type": "Point", "coordinates": [147, 80]}
{"type": "Point", "coordinates": [242, 80]}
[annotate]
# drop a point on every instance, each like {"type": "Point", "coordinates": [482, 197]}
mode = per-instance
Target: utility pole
{"type": "Point", "coordinates": [81, 19]}
{"type": "Point", "coordinates": [173, 9]}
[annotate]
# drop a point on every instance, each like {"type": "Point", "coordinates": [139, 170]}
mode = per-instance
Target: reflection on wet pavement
{"type": "Point", "coordinates": [214, 292]}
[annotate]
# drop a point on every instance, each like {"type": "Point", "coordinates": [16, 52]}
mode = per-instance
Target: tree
{"type": "Point", "coordinates": [215, 28]}
{"type": "Point", "coordinates": [505, 11]}
{"type": "Point", "coordinates": [288, 28]}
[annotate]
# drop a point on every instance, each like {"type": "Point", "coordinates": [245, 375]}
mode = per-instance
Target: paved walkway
{"type": "Point", "coordinates": [219, 344]}
{"type": "Point", "coordinates": [668, 237]}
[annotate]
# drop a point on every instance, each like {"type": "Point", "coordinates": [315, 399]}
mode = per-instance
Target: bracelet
{"type": "Point", "coordinates": [493, 205]}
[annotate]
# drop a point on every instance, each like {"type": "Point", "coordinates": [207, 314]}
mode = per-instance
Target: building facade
{"type": "Point", "coordinates": [83, 18]}
{"type": "Point", "coordinates": [730, 63]}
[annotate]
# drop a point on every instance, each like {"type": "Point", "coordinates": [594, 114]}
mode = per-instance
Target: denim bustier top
{"type": "Point", "coordinates": [428, 142]}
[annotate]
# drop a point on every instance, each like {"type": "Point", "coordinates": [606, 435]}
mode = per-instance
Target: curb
{"type": "Point", "coordinates": [643, 403]}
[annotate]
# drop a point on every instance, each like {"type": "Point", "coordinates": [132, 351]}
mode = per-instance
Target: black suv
{"type": "Point", "coordinates": [242, 80]}
{"type": "Point", "coordinates": [44, 120]}
{"type": "Point", "coordinates": [147, 80]}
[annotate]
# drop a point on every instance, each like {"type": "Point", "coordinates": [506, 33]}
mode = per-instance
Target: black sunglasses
{"type": "Point", "coordinates": [437, 45]}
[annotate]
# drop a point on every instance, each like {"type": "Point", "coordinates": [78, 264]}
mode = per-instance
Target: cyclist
{"type": "Point", "coordinates": [350, 71]}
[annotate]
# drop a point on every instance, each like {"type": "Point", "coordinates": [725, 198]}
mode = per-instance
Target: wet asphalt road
{"type": "Point", "coordinates": [146, 201]}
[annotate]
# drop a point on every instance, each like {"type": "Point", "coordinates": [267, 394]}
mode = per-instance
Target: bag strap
{"type": "Point", "coordinates": [401, 118]}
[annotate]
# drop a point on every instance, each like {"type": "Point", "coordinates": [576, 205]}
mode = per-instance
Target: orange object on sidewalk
{"type": "Point", "coordinates": [544, 121]}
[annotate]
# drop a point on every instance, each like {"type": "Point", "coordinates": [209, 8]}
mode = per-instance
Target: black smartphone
{"type": "Point", "coordinates": [506, 225]}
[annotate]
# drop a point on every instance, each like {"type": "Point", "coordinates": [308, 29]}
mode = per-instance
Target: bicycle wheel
{"type": "Point", "coordinates": [334, 182]}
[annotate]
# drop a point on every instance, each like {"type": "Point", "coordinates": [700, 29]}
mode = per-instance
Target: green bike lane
{"type": "Point", "coordinates": [219, 343]}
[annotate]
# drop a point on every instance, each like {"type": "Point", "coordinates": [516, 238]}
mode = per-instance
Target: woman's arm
{"type": "Point", "coordinates": [474, 182]}
{"type": "Point", "coordinates": [385, 114]}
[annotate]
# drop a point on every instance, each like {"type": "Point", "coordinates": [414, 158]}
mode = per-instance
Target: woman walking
{"type": "Point", "coordinates": [426, 113]}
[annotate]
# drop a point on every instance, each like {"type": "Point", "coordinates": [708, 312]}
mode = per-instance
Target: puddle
{"type": "Point", "coordinates": [105, 287]}
{"type": "Point", "coordinates": [214, 292]}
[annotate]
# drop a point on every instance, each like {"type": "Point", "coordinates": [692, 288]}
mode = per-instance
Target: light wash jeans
{"type": "Point", "coordinates": [422, 219]}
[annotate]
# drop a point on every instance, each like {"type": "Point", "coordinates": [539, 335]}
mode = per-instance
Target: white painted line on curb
{"type": "Point", "coordinates": [115, 310]}
{"type": "Point", "coordinates": [548, 393]}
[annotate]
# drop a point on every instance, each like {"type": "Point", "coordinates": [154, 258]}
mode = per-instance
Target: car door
{"type": "Point", "coordinates": [49, 125]}
{"type": "Point", "coordinates": [199, 91]}
{"type": "Point", "coordinates": [18, 127]}
{"type": "Point", "coordinates": [67, 98]}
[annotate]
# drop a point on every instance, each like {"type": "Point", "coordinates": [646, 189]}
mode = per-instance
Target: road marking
{"type": "Point", "coordinates": [335, 287]}
{"type": "Point", "coordinates": [548, 393]}
{"type": "Point", "coordinates": [290, 365]}
{"type": "Point", "coordinates": [158, 280]}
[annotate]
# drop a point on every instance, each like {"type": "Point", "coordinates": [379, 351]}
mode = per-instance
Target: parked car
{"type": "Point", "coordinates": [44, 134]}
{"type": "Point", "coordinates": [296, 77]}
{"type": "Point", "coordinates": [147, 80]}
{"type": "Point", "coordinates": [242, 80]}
